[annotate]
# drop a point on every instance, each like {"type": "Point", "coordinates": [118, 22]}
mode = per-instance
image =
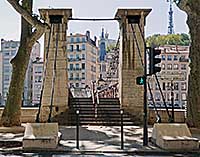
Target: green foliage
{"type": "Point", "coordinates": [170, 39]}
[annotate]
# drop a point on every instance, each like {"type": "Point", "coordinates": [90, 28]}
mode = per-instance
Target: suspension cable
{"type": "Point", "coordinates": [157, 81]}
{"type": "Point", "coordinates": [44, 75]}
{"type": "Point", "coordinates": [140, 56]}
{"type": "Point", "coordinates": [169, 115]}
{"type": "Point", "coordinates": [117, 44]}
{"type": "Point", "coordinates": [54, 73]}
{"type": "Point", "coordinates": [137, 44]}
{"type": "Point", "coordinates": [152, 99]}
{"type": "Point", "coordinates": [94, 19]}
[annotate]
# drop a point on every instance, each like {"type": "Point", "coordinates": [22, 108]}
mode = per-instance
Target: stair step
{"type": "Point", "coordinates": [107, 112]}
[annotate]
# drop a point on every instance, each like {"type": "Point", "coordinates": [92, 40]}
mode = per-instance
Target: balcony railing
{"type": "Point", "coordinates": [183, 59]}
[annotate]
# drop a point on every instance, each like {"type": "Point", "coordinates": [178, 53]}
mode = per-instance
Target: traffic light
{"type": "Point", "coordinates": [153, 60]}
{"type": "Point", "coordinates": [140, 80]}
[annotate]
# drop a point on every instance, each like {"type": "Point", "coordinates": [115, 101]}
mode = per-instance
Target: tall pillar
{"type": "Point", "coordinates": [130, 66]}
{"type": "Point", "coordinates": [57, 19]}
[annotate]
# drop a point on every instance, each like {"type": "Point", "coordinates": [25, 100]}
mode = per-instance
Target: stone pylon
{"type": "Point", "coordinates": [130, 66]}
{"type": "Point", "coordinates": [55, 93]}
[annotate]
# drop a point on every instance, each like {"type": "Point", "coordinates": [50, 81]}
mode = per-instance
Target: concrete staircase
{"type": "Point", "coordinates": [107, 112]}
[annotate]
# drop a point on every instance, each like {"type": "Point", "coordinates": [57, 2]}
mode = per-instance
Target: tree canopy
{"type": "Point", "coordinates": [170, 39]}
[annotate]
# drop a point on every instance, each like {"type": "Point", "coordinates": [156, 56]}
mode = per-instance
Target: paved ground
{"type": "Point", "coordinates": [94, 141]}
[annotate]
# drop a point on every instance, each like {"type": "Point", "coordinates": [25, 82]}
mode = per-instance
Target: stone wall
{"type": "Point", "coordinates": [55, 91]}
{"type": "Point", "coordinates": [130, 65]}
{"type": "Point", "coordinates": [29, 115]}
{"type": "Point", "coordinates": [179, 116]}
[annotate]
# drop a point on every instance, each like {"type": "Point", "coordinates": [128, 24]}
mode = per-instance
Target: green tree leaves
{"type": "Point", "coordinates": [171, 39]}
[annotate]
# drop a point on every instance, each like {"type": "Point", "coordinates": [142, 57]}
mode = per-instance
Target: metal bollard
{"type": "Point", "coordinates": [77, 129]}
{"type": "Point", "coordinates": [122, 129]}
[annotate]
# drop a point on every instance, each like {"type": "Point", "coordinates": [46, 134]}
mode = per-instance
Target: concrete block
{"type": "Point", "coordinates": [41, 136]}
{"type": "Point", "coordinates": [174, 137]}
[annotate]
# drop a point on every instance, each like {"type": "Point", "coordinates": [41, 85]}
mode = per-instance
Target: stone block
{"type": "Point", "coordinates": [41, 136]}
{"type": "Point", "coordinates": [174, 137]}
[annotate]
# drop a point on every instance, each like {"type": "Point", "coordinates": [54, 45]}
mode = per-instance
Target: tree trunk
{"type": "Point", "coordinates": [193, 113]}
{"type": "Point", "coordinates": [192, 8]}
{"type": "Point", "coordinates": [12, 112]}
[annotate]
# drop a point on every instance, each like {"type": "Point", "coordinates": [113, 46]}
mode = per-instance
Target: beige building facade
{"type": "Point", "coordinates": [37, 79]}
{"type": "Point", "coordinates": [82, 55]}
{"type": "Point", "coordinates": [173, 77]}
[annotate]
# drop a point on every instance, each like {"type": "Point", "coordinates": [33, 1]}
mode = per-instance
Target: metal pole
{"type": "Point", "coordinates": [77, 129]}
{"type": "Point", "coordinates": [122, 129]}
{"type": "Point", "coordinates": [145, 129]}
{"type": "Point", "coordinates": [172, 101]}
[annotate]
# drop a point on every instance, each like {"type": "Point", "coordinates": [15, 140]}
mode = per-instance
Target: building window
{"type": "Point", "coordinates": [163, 86]}
{"type": "Point", "coordinates": [149, 97]}
{"type": "Point", "coordinates": [71, 66]}
{"type": "Point", "coordinates": [168, 96]}
{"type": "Point", "coordinates": [77, 84]}
{"type": "Point", "coordinates": [77, 76]}
{"type": "Point", "coordinates": [77, 57]}
{"type": "Point", "coordinates": [176, 96]}
{"type": "Point", "coordinates": [93, 68]}
{"type": "Point", "coordinates": [71, 85]}
{"type": "Point", "coordinates": [83, 39]}
{"type": "Point", "coordinates": [163, 66]}
{"type": "Point", "coordinates": [156, 86]}
{"type": "Point", "coordinates": [83, 76]}
{"type": "Point", "coordinates": [6, 54]}
{"type": "Point", "coordinates": [183, 85]}
{"type": "Point", "coordinates": [6, 60]}
{"type": "Point", "coordinates": [13, 45]}
{"type": "Point", "coordinates": [93, 59]}
{"type": "Point", "coordinates": [77, 39]}
{"type": "Point", "coordinates": [169, 57]}
{"type": "Point", "coordinates": [6, 77]}
{"type": "Point", "coordinates": [13, 53]}
{"type": "Point", "coordinates": [183, 96]}
{"type": "Point", "coordinates": [6, 68]}
{"type": "Point", "coordinates": [38, 78]}
{"type": "Point", "coordinates": [71, 76]}
{"type": "Point", "coordinates": [71, 57]}
{"type": "Point", "coordinates": [71, 39]}
{"type": "Point", "coordinates": [83, 66]}
{"type": "Point", "coordinates": [163, 57]}
{"type": "Point", "coordinates": [175, 58]}
{"type": "Point", "coordinates": [77, 48]}
{"type": "Point", "coordinates": [175, 66]}
{"type": "Point", "coordinates": [37, 86]}
{"type": "Point", "coordinates": [83, 56]}
{"type": "Point", "coordinates": [77, 66]}
{"type": "Point", "coordinates": [83, 46]}
{"type": "Point", "coordinates": [38, 69]}
{"type": "Point", "coordinates": [169, 66]}
{"type": "Point", "coordinates": [183, 66]}
{"type": "Point", "coordinates": [103, 68]}
{"type": "Point", "coordinates": [71, 48]}
{"type": "Point", "coordinates": [168, 87]}
{"type": "Point", "coordinates": [157, 96]}
{"type": "Point", "coordinates": [176, 86]}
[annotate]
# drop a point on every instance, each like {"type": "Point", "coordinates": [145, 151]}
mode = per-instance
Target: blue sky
{"type": "Point", "coordinates": [157, 21]}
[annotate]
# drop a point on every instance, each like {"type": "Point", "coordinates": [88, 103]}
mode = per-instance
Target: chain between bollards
{"type": "Point", "coordinates": [77, 129]}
